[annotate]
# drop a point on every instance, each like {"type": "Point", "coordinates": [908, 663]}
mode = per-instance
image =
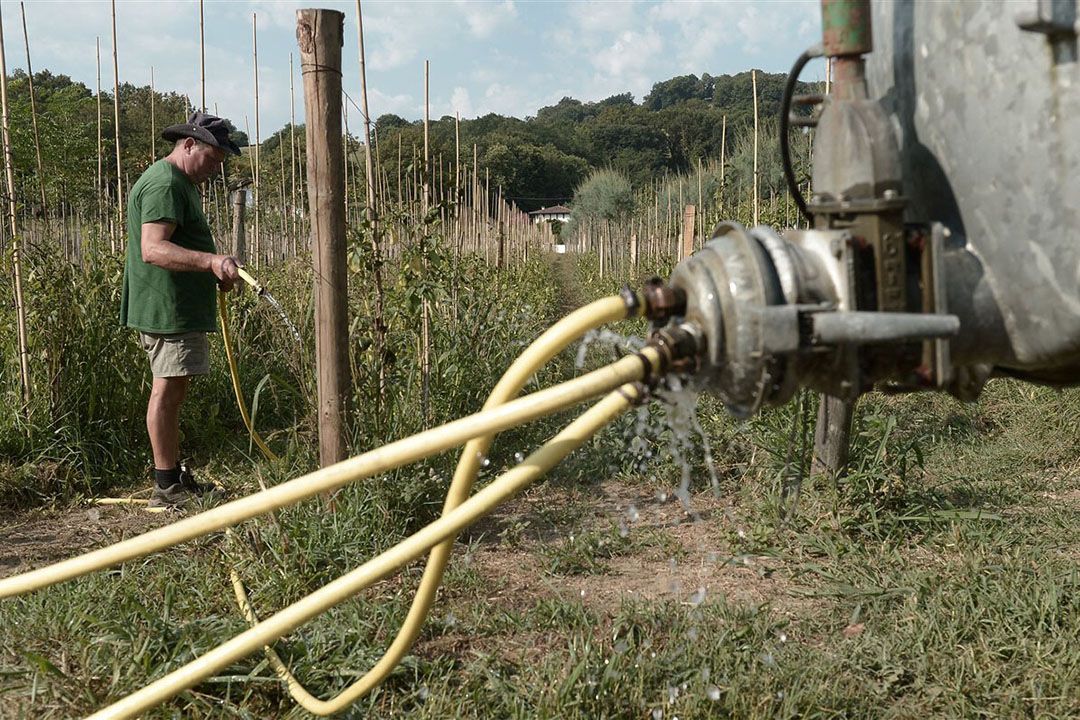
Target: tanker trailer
{"type": "Point", "coordinates": [942, 244]}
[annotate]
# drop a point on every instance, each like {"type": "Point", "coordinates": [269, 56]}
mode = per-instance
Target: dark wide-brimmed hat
{"type": "Point", "coordinates": [209, 129]}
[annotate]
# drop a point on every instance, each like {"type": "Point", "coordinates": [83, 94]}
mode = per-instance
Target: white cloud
{"type": "Point", "coordinates": [483, 19]}
{"type": "Point", "coordinates": [461, 103]}
{"type": "Point", "coordinates": [380, 103]}
{"type": "Point", "coordinates": [629, 53]}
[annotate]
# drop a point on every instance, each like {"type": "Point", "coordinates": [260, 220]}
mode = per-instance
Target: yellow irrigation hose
{"type": "Point", "coordinates": [226, 340]}
{"type": "Point", "coordinates": [547, 346]}
{"type": "Point", "coordinates": [388, 457]}
{"type": "Point", "coordinates": [446, 527]}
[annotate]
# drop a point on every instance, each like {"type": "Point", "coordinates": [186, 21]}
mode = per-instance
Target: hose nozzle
{"type": "Point", "coordinates": [247, 277]}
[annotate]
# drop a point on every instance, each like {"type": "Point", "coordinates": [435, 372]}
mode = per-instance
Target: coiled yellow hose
{"type": "Point", "coordinates": [543, 349]}
{"type": "Point", "coordinates": [446, 527]}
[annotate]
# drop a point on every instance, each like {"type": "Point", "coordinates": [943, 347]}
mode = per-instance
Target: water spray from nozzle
{"type": "Point", "coordinates": [265, 295]}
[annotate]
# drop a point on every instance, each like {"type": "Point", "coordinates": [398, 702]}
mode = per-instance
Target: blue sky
{"type": "Point", "coordinates": [509, 57]}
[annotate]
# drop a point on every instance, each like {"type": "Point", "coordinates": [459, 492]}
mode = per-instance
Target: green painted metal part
{"type": "Point", "coordinates": [845, 27]}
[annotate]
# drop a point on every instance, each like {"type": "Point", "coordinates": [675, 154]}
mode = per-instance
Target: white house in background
{"type": "Point", "coordinates": [555, 212]}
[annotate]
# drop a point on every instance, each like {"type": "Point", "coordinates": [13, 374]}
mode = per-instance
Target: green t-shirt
{"type": "Point", "coordinates": [158, 300]}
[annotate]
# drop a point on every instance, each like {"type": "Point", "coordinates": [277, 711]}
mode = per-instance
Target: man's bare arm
{"type": "Point", "coordinates": [158, 249]}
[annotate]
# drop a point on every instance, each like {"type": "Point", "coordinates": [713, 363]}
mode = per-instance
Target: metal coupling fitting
{"type": "Point", "coordinates": [679, 347]}
{"type": "Point", "coordinates": [662, 301]}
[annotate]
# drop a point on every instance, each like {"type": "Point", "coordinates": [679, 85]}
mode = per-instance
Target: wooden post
{"type": "Point", "coordinates": [832, 436]}
{"type": "Point", "coordinates": [320, 34]}
{"type": "Point", "coordinates": [16, 241]}
{"type": "Point", "coordinates": [120, 227]}
{"type": "Point", "coordinates": [239, 242]}
{"type": "Point", "coordinates": [689, 217]}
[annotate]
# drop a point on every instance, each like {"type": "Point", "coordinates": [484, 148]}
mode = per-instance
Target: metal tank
{"type": "Point", "coordinates": [944, 227]}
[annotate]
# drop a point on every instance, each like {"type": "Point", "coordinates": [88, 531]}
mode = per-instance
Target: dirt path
{"type": "Point", "coordinates": [41, 536]}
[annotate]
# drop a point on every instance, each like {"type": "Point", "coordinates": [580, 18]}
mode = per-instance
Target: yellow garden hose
{"type": "Point", "coordinates": [443, 529]}
{"type": "Point", "coordinates": [387, 457]}
{"type": "Point", "coordinates": [543, 349]}
{"type": "Point", "coordinates": [226, 340]}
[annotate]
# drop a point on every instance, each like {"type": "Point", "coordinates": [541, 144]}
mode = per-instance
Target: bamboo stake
{"type": "Point", "coordinates": [153, 124]}
{"type": "Point", "coordinates": [116, 116]}
{"type": "Point", "coordinates": [292, 150]}
{"type": "Point", "coordinates": [753, 79]}
{"type": "Point", "coordinates": [100, 183]}
{"type": "Point", "coordinates": [257, 244]}
{"type": "Point", "coordinates": [723, 160]}
{"type": "Point", "coordinates": [425, 311]}
{"type": "Point", "coordinates": [372, 218]}
{"type": "Point", "coordinates": [345, 154]}
{"type": "Point", "coordinates": [427, 118]}
{"type": "Point", "coordinates": [700, 199]}
{"type": "Point", "coordinates": [457, 183]}
{"type": "Point", "coordinates": [33, 117]}
{"type": "Point", "coordinates": [16, 242]}
{"type": "Point", "coordinates": [202, 59]}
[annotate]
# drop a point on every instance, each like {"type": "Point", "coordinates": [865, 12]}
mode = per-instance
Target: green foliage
{"type": "Point", "coordinates": [605, 195]}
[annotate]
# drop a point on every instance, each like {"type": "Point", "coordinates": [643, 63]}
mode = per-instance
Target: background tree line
{"type": "Point", "coordinates": [536, 161]}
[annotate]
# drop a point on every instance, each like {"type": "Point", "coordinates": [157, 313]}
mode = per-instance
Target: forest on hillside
{"type": "Point", "coordinates": [535, 161]}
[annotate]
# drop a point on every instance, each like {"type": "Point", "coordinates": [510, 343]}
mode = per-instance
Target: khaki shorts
{"type": "Point", "coordinates": [177, 355]}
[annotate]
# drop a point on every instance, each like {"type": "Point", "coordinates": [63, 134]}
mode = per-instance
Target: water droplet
{"type": "Point", "coordinates": [519, 457]}
{"type": "Point", "coordinates": [582, 593]}
{"type": "Point", "coordinates": [661, 496]}
{"type": "Point", "coordinates": [712, 692]}
{"type": "Point", "coordinates": [692, 634]}
{"type": "Point", "coordinates": [657, 714]}
{"type": "Point", "coordinates": [705, 673]}
{"type": "Point", "coordinates": [698, 597]}
{"type": "Point", "coordinates": [423, 693]}
{"type": "Point", "coordinates": [782, 637]}
{"type": "Point", "coordinates": [633, 514]}
{"type": "Point", "coordinates": [623, 529]}
{"type": "Point", "coordinates": [767, 660]}
{"type": "Point", "coordinates": [672, 694]}
{"type": "Point", "coordinates": [451, 620]}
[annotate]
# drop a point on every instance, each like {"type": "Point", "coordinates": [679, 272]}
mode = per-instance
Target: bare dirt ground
{"type": "Point", "coordinates": [678, 556]}
{"type": "Point", "coordinates": [41, 536]}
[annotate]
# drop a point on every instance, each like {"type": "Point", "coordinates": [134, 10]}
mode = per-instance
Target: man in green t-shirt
{"type": "Point", "coordinates": [170, 281]}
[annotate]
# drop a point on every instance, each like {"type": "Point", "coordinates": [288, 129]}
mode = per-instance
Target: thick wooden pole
{"type": "Point", "coordinates": [238, 241]}
{"type": "Point", "coordinates": [120, 229]}
{"type": "Point", "coordinates": [320, 35]}
{"type": "Point", "coordinates": [689, 217]}
{"type": "Point", "coordinates": [16, 241]}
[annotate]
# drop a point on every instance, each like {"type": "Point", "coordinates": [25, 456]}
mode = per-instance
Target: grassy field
{"type": "Point", "coordinates": [940, 578]}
